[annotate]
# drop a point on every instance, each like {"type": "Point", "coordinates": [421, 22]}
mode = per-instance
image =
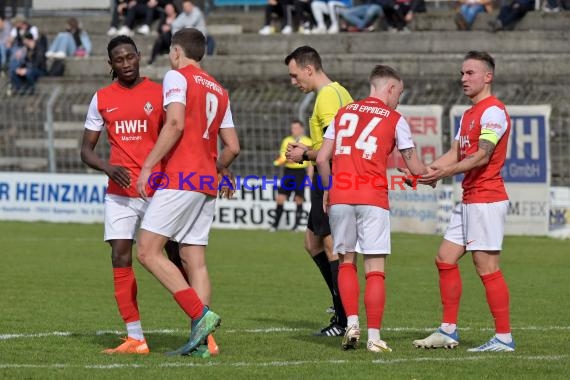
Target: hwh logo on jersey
{"type": "Point", "coordinates": [464, 142]}
{"type": "Point", "coordinates": [130, 126]}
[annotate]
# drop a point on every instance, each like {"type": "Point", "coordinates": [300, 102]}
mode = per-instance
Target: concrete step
{"type": "Point", "coordinates": [528, 67]}
{"type": "Point", "coordinates": [418, 42]}
{"type": "Point", "coordinates": [422, 43]}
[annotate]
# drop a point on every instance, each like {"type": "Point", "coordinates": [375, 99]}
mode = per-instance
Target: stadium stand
{"type": "Point", "coordinates": [532, 61]}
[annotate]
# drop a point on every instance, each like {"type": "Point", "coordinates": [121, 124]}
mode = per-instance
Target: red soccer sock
{"type": "Point", "coordinates": [498, 299]}
{"type": "Point", "coordinates": [126, 293]}
{"type": "Point", "coordinates": [349, 288]}
{"type": "Point", "coordinates": [189, 302]}
{"type": "Point", "coordinates": [450, 288]}
{"type": "Point", "coordinates": [374, 299]}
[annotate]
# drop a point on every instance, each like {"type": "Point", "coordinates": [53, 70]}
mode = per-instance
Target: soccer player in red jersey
{"type": "Point", "coordinates": [477, 223]}
{"type": "Point", "coordinates": [197, 111]}
{"type": "Point", "coordinates": [130, 110]}
{"type": "Point", "coordinates": [359, 141]}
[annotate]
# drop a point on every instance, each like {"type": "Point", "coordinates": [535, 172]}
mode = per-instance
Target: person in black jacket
{"type": "Point", "coordinates": [511, 14]}
{"type": "Point", "coordinates": [24, 77]}
{"type": "Point", "coordinates": [399, 13]}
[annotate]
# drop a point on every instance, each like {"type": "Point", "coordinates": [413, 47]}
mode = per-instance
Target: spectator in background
{"type": "Point", "coordinates": [13, 5]}
{"type": "Point", "coordinates": [15, 43]}
{"type": "Point", "coordinates": [192, 17]}
{"type": "Point", "coordinates": [23, 78]}
{"type": "Point", "coordinates": [5, 28]}
{"type": "Point", "coordinates": [511, 14]}
{"type": "Point", "coordinates": [282, 9]}
{"type": "Point", "coordinates": [331, 8]}
{"type": "Point", "coordinates": [141, 10]}
{"type": "Point", "coordinates": [20, 27]}
{"type": "Point", "coordinates": [360, 17]}
{"type": "Point", "coordinates": [399, 13]}
{"type": "Point", "coordinates": [468, 11]}
{"type": "Point", "coordinates": [162, 43]}
{"type": "Point", "coordinates": [120, 9]}
{"type": "Point", "coordinates": [73, 42]}
{"type": "Point", "coordinates": [303, 16]}
{"type": "Point", "coordinates": [551, 6]}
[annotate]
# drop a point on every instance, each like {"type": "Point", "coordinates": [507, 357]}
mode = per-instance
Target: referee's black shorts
{"type": "Point", "coordinates": [293, 182]}
{"type": "Point", "coordinates": [318, 220]}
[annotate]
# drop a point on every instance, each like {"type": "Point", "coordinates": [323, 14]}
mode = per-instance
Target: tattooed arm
{"type": "Point", "coordinates": [413, 162]}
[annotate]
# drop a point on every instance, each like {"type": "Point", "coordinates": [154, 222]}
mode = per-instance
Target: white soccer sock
{"type": "Point", "coordinates": [352, 320]}
{"type": "Point", "coordinates": [374, 334]}
{"type": "Point", "coordinates": [449, 328]}
{"type": "Point", "coordinates": [505, 338]}
{"type": "Point", "coordinates": [134, 330]}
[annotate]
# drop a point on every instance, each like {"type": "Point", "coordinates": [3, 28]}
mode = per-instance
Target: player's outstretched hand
{"type": "Point", "coordinates": [433, 175]}
{"type": "Point", "coordinates": [413, 180]}
{"type": "Point", "coordinates": [227, 182]}
{"type": "Point", "coordinates": [120, 175]}
{"type": "Point", "coordinates": [143, 181]}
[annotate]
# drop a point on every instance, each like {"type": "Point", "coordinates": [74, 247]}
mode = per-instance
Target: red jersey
{"type": "Point", "coordinates": [191, 163]}
{"type": "Point", "coordinates": [133, 118]}
{"type": "Point", "coordinates": [485, 184]}
{"type": "Point", "coordinates": [365, 132]}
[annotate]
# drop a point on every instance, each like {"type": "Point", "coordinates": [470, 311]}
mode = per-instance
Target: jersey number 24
{"type": "Point", "coordinates": [366, 143]}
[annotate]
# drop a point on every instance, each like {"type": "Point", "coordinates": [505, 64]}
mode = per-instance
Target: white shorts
{"type": "Point", "coordinates": [182, 216]}
{"type": "Point", "coordinates": [478, 226]}
{"type": "Point", "coordinates": [365, 225]}
{"type": "Point", "coordinates": [123, 216]}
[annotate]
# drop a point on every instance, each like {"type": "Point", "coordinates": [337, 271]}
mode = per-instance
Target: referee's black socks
{"type": "Point", "coordinates": [323, 264]}
{"type": "Point", "coordinates": [339, 309]}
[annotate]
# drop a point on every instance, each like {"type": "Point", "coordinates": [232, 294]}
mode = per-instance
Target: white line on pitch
{"type": "Point", "coordinates": [284, 363]}
{"type": "Point", "coordinates": [35, 335]}
{"type": "Point", "coordinates": [267, 330]}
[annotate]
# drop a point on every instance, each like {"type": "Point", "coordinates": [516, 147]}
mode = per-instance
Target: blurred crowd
{"type": "Point", "coordinates": [25, 54]}
{"type": "Point", "coordinates": [334, 16]}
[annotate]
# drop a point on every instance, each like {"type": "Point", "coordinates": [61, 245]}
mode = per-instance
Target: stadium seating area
{"type": "Point", "coordinates": [532, 68]}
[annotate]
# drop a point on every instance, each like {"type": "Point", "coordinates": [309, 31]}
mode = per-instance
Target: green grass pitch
{"type": "Point", "coordinates": [57, 311]}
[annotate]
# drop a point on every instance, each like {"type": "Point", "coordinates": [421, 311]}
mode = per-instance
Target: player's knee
{"type": "Point", "coordinates": [485, 265]}
{"type": "Point", "coordinates": [121, 253]}
{"type": "Point", "coordinates": [143, 254]}
{"type": "Point", "coordinates": [122, 260]}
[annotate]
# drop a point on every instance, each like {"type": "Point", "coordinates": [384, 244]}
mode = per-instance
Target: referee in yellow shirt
{"type": "Point", "coordinates": [306, 73]}
{"type": "Point", "coordinates": [293, 178]}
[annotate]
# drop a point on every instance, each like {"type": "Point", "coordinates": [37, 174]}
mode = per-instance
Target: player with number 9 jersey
{"type": "Point", "coordinates": [207, 110]}
{"type": "Point", "coordinates": [197, 112]}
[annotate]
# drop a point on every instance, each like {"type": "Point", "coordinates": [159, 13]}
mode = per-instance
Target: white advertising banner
{"type": "Point", "coordinates": [527, 168]}
{"type": "Point", "coordinates": [416, 210]}
{"type": "Point", "coordinates": [52, 197]}
{"type": "Point", "coordinates": [253, 207]}
{"type": "Point", "coordinates": [560, 212]}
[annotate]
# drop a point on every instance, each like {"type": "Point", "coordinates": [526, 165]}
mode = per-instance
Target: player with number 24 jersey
{"type": "Point", "coordinates": [367, 132]}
